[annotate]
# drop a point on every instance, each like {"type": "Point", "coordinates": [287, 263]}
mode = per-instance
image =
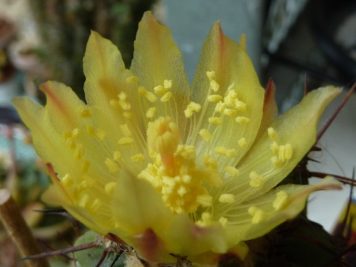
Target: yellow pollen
{"type": "Point", "coordinates": [257, 214]}
{"type": "Point", "coordinates": [111, 165]}
{"type": "Point", "coordinates": [225, 151]}
{"type": "Point", "coordinates": [205, 200]}
{"type": "Point", "coordinates": [232, 171]}
{"type": "Point", "coordinates": [151, 97]}
{"type": "Point", "coordinates": [210, 75]}
{"type": "Point", "coordinates": [138, 157]}
{"type": "Point", "coordinates": [223, 221]}
{"type": "Point", "coordinates": [214, 85]}
{"type": "Point", "coordinates": [280, 200]}
{"type": "Point", "coordinates": [274, 147]}
{"type": "Point", "coordinates": [85, 113]}
{"type": "Point", "coordinates": [256, 180]}
{"type": "Point", "coordinates": [205, 134]}
{"type": "Point", "coordinates": [215, 120]}
{"type": "Point", "coordinates": [125, 140]}
{"type": "Point", "coordinates": [159, 90]}
{"type": "Point", "coordinates": [220, 106]}
{"type": "Point", "coordinates": [125, 130]}
{"type": "Point", "coordinates": [186, 179]}
{"type": "Point", "coordinates": [166, 97]}
{"type": "Point", "coordinates": [167, 84]}
{"type": "Point", "coordinates": [242, 142]}
{"type": "Point", "coordinates": [206, 217]}
{"type": "Point", "coordinates": [288, 151]}
{"type": "Point", "coordinates": [276, 162]}
{"type": "Point", "coordinates": [214, 98]}
{"type": "Point", "coordinates": [125, 105]}
{"type": "Point", "coordinates": [242, 119]}
{"type": "Point", "coordinates": [210, 162]}
{"type": "Point", "coordinates": [186, 151]}
{"type": "Point", "coordinates": [281, 150]}
{"type": "Point", "coordinates": [150, 113]}
{"type": "Point", "coordinates": [182, 191]}
{"type": "Point", "coordinates": [239, 105]}
{"type": "Point", "coordinates": [75, 132]}
{"type": "Point", "coordinates": [109, 187]}
{"type": "Point", "coordinates": [226, 198]}
{"type": "Point", "coordinates": [122, 96]}
{"type": "Point", "coordinates": [191, 108]}
{"type": "Point", "coordinates": [272, 133]}
{"type": "Point", "coordinates": [230, 112]}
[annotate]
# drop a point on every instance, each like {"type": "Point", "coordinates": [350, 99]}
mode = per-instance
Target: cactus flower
{"type": "Point", "coordinates": [172, 168]}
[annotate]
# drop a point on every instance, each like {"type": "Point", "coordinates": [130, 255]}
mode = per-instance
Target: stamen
{"type": "Point", "coordinates": [111, 165]}
{"type": "Point", "coordinates": [205, 134]}
{"type": "Point", "coordinates": [280, 200]}
{"type": "Point", "coordinates": [166, 97]}
{"type": "Point", "coordinates": [256, 180]}
{"type": "Point", "coordinates": [223, 221]}
{"type": "Point", "coordinates": [272, 133]}
{"type": "Point", "coordinates": [242, 142]}
{"type": "Point", "coordinates": [125, 130]}
{"type": "Point", "coordinates": [214, 98]}
{"type": "Point", "coordinates": [167, 84]}
{"type": "Point", "coordinates": [125, 140]}
{"type": "Point", "coordinates": [192, 108]}
{"type": "Point", "coordinates": [231, 171]}
{"type": "Point", "coordinates": [215, 120]}
{"type": "Point", "coordinates": [205, 200]}
{"type": "Point", "coordinates": [227, 198]}
{"type": "Point", "coordinates": [150, 113]}
{"type": "Point", "coordinates": [242, 120]}
{"type": "Point", "coordinates": [109, 187]}
{"type": "Point", "coordinates": [138, 157]}
{"type": "Point", "coordinates": [225, 151]}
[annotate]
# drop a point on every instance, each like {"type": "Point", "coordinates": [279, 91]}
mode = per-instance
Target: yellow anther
{"type": "Point", "coordinates": [125, 140]}
{"type": "Point", "coordinates": [206, 216]}
{"type": "Point", "coordinates": [75, 132]}
{"type": "Point", "coordinates": [220, 106]}
{"type": "Point", "coordinates": [214, 85]}
{"type": "Point", "coordinates": [256, 180]}
{"type": "Point", "coordinates": [288, 151]}
{"type": "Point", "coordinates": [110, 187]}
{"type": "Point", "coordinates": [231, 171]}
{"type": "Point", "coordinates": [242, 142]}
{"type": "Point", "coordinates": [166, 97]}
{"type": "Point", "coordinates": [182, 191]}
{"type": "Point", "coordinates": [186, 179]}
{"type": "Point", "coordinates": [125, 130]}
{"type": "Point", "coordinates": [230, 112]}
{"type": "Point", "coordinates": [132, 79]}
{"type": "Point", "coordinates": [167, 84]}
{"type": "Point", "coordinates": [191, 108]}
{"type": "Point", "coordinates": [214, 98]}
{"type": "Point", "coordinates": [84, 200]}
{"type": "Point", "coordinates": [281, 151]}
{"type": "Point", "coordinates": [151, 97]}
{"type": "Point", "coordinates": [205, 200]}
{"type": "Point", "coordinates": [210, 74]}
{"type": "Point", "coordinates": [85, 113]}
{"type": "Point", "coordinates": [138, 157]}
{"type": "Point", "coordinates": [223, 221]}
{"type": "Point", "coordinates": [227, 198]}
{"type": "Point", "coordinates": [215, 120]}
{"type": "Point", "coordinates": [111, 165]}
{"type": "Point", "coordinates": [274, 148]}
{"type": "Point", "coordinates": [257, 214]}
{"type": "Point", "coordinates": [280, 200]}
{"type": "Point", "coordinates": [125, 105]}
{"type": "Point", "coordinates": [272, 133]}
{"type": "Point", "coordinates": [241, 106]}
{"type": "Point", "coordinates": [150, 113]}
{"type": "Point", "coordinates": [205, 134]}
{"type": "Point", "coordinates": [225, 151]}
{"type": "Point", "coordinates": [122, 96]}
{"type": "Point", "coordinates": [242, 120]}
{"type": "Point", "coordinates": [276, 162]}
{"type": "Point", "coordinates": [159, 90]}
{"type": "Point", "coordinates": [186, 151]}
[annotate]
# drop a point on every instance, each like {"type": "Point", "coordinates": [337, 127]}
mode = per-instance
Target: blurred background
{"type": "Point", "coordinates": [300, 44]}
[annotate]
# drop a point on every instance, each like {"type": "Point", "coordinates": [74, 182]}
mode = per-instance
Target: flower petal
{"type": "Point", "coordinates": [281, 147]}
{"type": "Point", "coordinates": [158, 63]}
{"type": "Point", "coordinates": [228, 89]}
{"type": "Point", "coordinates": [259, 216]}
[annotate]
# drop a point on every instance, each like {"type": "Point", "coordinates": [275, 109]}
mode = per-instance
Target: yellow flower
{"type": "Point", "coordinates": [169, 168]}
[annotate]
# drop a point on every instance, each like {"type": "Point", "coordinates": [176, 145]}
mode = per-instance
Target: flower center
{"type": "Point", "coordinates": [173, 170]}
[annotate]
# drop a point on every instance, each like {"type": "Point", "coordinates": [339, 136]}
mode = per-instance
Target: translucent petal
{"type": "Point", "coordinates": [296, 129]}
{"type": "Point", "coordinates": [226, 71]}
{"type": "Point", "coordinates": [156, 60]}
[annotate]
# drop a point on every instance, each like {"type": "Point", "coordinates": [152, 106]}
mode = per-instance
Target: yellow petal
{"type": "Point", "coordinates": [158, 63]}
{"type": "Point", "coordinates": [226, 69]}
{"type": "Point", "coordinates": [259, 216]}
{"type": "Point", "coordinates": [287, 141]}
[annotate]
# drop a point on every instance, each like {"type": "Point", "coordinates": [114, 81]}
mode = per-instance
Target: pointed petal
{"type": "Point", "coordinates": [156, 60]}
{"type": "Point", "coordinates": [281, 148]}
{"type": "Point", "coordinates": [259, 216]}
{"type": "Point", "coordinates": [270, 108]}
{"type": "Point", "coordinates": [226, 73]}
